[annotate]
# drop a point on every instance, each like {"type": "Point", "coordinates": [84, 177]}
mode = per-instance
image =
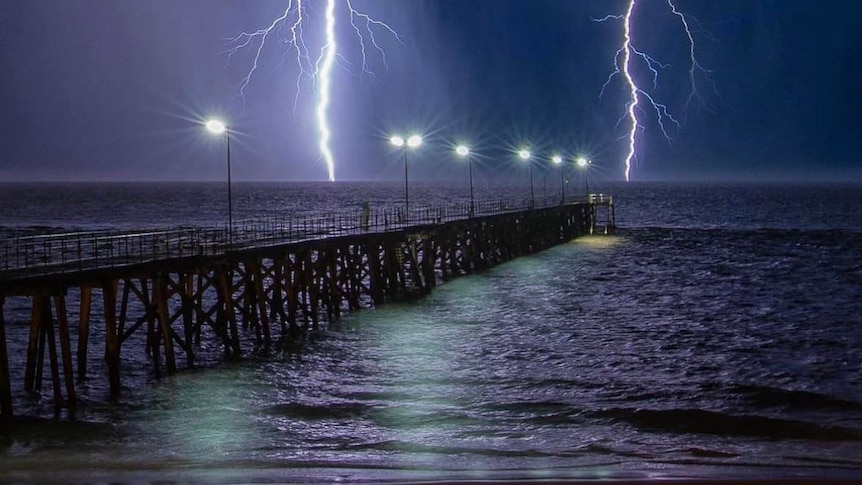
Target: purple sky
{"type": "Point", "coordinates": [114, 90]}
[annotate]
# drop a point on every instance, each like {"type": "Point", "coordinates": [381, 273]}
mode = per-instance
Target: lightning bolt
{"type": "Point", "coordinates": [695, 67]}
{"type": "Point", "coordinates": [327, 58]}
{"type": "Point", "coordinates": [318, 71]}
{"type": "Point", "coordinates": [625, 59]}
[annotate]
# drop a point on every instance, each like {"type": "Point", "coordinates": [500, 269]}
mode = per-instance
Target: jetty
{"type": "Point", "coordinates": [260, 280]}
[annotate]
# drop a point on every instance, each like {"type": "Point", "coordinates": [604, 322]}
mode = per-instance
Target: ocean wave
{"type": "Point", "coordinates": [701, 421]}
{"type": "Point", "coordinates": [767, 397]}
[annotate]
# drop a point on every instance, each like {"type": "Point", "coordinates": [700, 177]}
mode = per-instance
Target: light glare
{"type": "Point", "coordinates": [524, 154]}
{"type": "Point", "coordinates": [216, 126]}
{"type": "Point", "coordinates": [414, 141]}
{"type": "Point", "coordinates": [397, 141]}
{"type": "Point", "coordinates": [557, 159]}
{"type": "Point", "coordinates": [583, 162]}
{"type": "Point", "coordinates": [463, 151]}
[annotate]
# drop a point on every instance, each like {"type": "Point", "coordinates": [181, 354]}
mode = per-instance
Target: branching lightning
{"type": "Point", "coordinates": [625, 59]}
{"type": "Point", "coordinates": [319, 70]}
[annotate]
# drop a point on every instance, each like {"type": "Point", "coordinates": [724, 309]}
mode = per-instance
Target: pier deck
{"type": "Point", "coordinates": [266, 278]}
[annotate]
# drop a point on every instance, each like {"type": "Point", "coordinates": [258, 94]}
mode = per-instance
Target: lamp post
{"type": "Point", "coordinates": [464, 152]}
{"type": "Point", "coordinates": [217, 127]}
{"type": "Point", "coordinates": [415, 141]}
{"type": "Point", "coordinates": [525, 155]}
{"type": "Point", "coordinates": [584, 164]}
{"type": "Point", "coordinates": [558, 160]}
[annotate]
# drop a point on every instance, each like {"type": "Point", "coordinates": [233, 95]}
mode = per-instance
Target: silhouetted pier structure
{"type": "Point", "coordinates": [277, 278]}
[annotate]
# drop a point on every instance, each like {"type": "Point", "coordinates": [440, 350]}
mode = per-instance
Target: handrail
{"type": "Point", "coordinates": [75, 251]}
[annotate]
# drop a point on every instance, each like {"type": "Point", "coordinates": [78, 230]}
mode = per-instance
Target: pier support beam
{"type": "Point", "coordinates": [47, 329]}
{"type": "Point", "coordinates": [112, 340]}
{"type": "Point", "coordinates": [66, 352]}
{"type": "Point", "coordinates": [187, 298]}
{"type": "Point", "coordinates": [84, 330]}
{"type": "Point", "coordinates": [33, 346]}
{"type": "Point", "coordinates": [227, 317]}
{"type": "Point", "coordinates": [260, 294]}
{"type": "Point", "coordinates": [5, 386]}
{"type": "Point", "coordinates": [160, 299]}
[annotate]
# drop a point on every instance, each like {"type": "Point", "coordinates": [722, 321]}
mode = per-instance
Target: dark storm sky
{"type": "Point", "coordinates": [115, 89]}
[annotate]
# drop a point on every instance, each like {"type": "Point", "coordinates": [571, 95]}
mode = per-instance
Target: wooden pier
{"type": "Point", "coordinates": [264, 280]}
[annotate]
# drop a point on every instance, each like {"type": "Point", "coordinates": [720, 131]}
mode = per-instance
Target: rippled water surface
{"type": "Point", "coordinates": [718, 334]}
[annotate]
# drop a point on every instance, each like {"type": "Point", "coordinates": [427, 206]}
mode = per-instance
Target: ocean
{"type": "Point", "coordinates": [717, 334]}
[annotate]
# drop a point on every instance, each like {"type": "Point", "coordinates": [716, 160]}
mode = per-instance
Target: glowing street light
{"type": "Point", "coordinates": [413, 142]}
{"type": "Point", "coordinates": [217, 127]}
{"type": "Point", "coordinates": [464, 152]}
{"type": "Point", "coordinates": [558, 160]}
{"type": "Point", "coordinates": [525, 155]}
{"type": "Point", "coordinates": [584, 164]}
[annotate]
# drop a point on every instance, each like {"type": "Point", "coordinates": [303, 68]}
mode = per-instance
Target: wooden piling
{"type": "Point", "coordinates": [262, 314]}
{"type": "Point", "coordinates": [291, 286]}
{"type": "Point", "coordinates": [66, 351]}
{"type": "Point", "coordinates": [187, 301]}
{"type": "Point", "coordinates": [428, 257]}
{"type": "Point", "coordinates": [160, 299]}
{"type": "Point", "coordinates": [42, 337]}
{"type": "Point", "coordinates": [33, 344]}
{"type": "Point", "coordinates": [250, 312]}
{"type": "Point", "coordinates": [277, 298]}
{"type": "Point", "coordinates": [5, 384]}
{"type": "Point", "coordinates": [228, 316]}
{"type": "Point", "coordinates": [112, 340]}
{"type": "Point", "coordinates": [372, 250]}
{"type": "Point", "coordinates": [84, 330]}
{"type": "Point", "coordinates": [48, 332]}
{"type": "Point", "coordinates": [313, 282]}
{"type": "Point", "coordinates": [204, 282]}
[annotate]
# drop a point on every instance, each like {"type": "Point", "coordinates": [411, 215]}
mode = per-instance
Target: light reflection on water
{"type": "Point", "coordinates": [697, 351]}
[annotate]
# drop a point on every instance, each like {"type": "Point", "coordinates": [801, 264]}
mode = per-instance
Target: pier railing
{"type": "Point", "coordinates": [77, 251]}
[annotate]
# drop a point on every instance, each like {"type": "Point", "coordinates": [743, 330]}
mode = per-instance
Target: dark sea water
{"type": "Point", "coordinates": [718, 334]}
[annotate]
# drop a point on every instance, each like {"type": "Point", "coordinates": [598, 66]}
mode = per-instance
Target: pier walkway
{"type": "Point", "coordinates": [263, 279]}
